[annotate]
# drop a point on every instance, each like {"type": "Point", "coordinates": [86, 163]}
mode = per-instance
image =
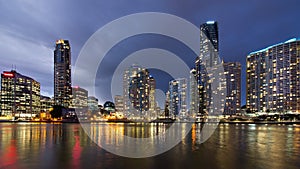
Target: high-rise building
{"type": "Point", "coordinates": [62, 74]}
{"type": "Point", "coordinates": [126, 83]}
{"type": "Point", "coordinates": [119, 103]}
{"type": "Point", "coordinates": [202, 87]}
{"type": "Point", "coordinates": [152, 99]}
{"type": "Point", "coordinates": [20, 95]}
{"type": "Point", "coordinates": [167, 105]}
{"type": "Point", "coordinates": [208, 65]}
{"type": "Point", "coordinates": [194, 97]}
{"type": "Point", "coordinates": [80, 98]}
{"type": "Point", "coordinates": [136, 92]}
{"type": "Point", "coordinates": [79, 103]}
{"type": "Point", "coordinates": [139, 90]}
{"type": "Point", "coordinates": [273, 78]}
{"type": "Point", "coordinates": [232, 71]}
{"type": "Point", "coordinates": [209, 43]}
{"type": "Point", "coordinates": [178, 97]}
{"type": "Point", "coordinates": [46, 103]}
{"type": "Point", "coordinates": [93, 104]}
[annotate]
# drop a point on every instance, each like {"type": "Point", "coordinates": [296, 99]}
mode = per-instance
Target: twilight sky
{"type": "Point", "coordinates": [29, 29]}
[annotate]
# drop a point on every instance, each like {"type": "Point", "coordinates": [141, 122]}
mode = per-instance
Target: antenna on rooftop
{"type": "Point", "coordinates": [14, 67]}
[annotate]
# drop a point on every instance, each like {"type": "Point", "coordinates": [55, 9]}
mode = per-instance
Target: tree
{"type": "Point", "coordinates": [56, 112]}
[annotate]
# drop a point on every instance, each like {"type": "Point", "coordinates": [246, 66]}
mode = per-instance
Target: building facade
{"type": "Point", "coordinates": [20, 95]}
{"type": "Point", "coordinates": [62, 73]}
{"type": "Point", "coordinates": [93, 104]}
{"type": "Point", "coordinates": [119, 103]}
{"type": "Point", "coordinates": [273, 78]}
{"type": "Point", "coordinates": [126, 83]}
{"type": "Point", "coordinates": [139, 90]}
{"type": "Point", "coordinates": [80, 98]}
{"type": "Point", "coordinates": [232, 71]}
{"type": "Point", "coordinates": [152, 99]}
{"type": "Point", "coordinates": [136, 92]}
{"type": "Point", "coordinates": [209, 43]}
{"type": "Point", "coordinates": [79, 104]}
{"type": "Point", "coordinates": [167, 105]}
{"type": "Point", "coordinates": [178, 97]}
{"type": "Point", "coordinates": [109, 107]}
{"type": "Point", "coordinates": [209, 71]}
{"type": "Point", "coordinates": [194, 97]}
{"type": "Point", "coordinates": [46, 103]}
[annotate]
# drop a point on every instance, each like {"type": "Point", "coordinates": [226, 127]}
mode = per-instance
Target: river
{"type": "Point", "coordinates": [35, 146]}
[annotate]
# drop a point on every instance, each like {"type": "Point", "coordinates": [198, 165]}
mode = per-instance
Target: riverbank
{"type": "Point", "coordinates": [122, 121]}
{"type": "Point", "coordinates": [261, 122]}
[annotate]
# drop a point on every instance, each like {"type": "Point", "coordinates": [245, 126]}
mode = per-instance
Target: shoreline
{"type": "Point", "coordinates": [108, 122]}
{"type": "Point", "coordinates": [261, 122]}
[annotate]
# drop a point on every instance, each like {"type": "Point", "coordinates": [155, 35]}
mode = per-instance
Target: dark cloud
{"type": "Point", "coordinates": [29, 29]}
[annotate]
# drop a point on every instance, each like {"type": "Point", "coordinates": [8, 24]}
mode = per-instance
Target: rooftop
{"type": "Point", "coordinates": [267, 48]}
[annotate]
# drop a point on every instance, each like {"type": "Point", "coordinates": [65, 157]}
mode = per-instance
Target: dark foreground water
{"type": "Point", "coordinates": [26, 145]}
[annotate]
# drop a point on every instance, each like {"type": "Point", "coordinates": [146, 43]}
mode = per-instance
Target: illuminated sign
{"type": "Point", "coordinates": [210, 22]}
{"type": "Point", "coordinates": [8, 74]}
{"type": "Point", "coordinates": [60, 41]}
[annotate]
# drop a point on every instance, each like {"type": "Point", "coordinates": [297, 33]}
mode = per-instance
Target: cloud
{"type": "Point", "coordinates": [31, 58]}
{"type": "Point", "coordinates": [28, 29]}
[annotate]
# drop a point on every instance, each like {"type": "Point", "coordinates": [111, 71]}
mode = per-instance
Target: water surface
{"type": "Point", "coordinates": [34, 145]}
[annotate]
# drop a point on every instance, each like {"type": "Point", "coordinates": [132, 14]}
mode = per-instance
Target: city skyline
{"type": "Point", "coordinates": [150, 84]}
{"type": "Point", "coordinates": [238, 37]}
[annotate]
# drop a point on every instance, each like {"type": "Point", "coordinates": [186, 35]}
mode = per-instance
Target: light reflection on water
{"type": "Point", "coordinates": [33, 145]}
{"type": "Point", "coordinates": [129, 140]}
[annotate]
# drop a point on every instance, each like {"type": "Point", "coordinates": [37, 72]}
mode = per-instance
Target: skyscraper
{"type": "Point", "coordinates": [62, 73]}
{"type": "Point", "coordinates": [126, 83]}
{"type": "Point", "coordinates": [137, 85]}
{"type": "Point", "coordinates": [194, 97]}
{"type": "Point", "coordinates": [152, 99]}
{"type": "Point", "coordinates": [139, 90]}
{"type": "Point", "coordinates": [20, 95]}
{"type": "Point", "coordinates": [209, 43]}
{"type": "Point", "coordinates": [207, 66]}
{"type": "Point", "coordinates": [273, 78]}
{"type": "Point", "coordinates": [202, 87]}
{"type": "Point", "coordinates": [178, 97]}
{"type": "Point", "coordinates": [232, 71]}
{"type": "Point", "coordinates": [167, 104]}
